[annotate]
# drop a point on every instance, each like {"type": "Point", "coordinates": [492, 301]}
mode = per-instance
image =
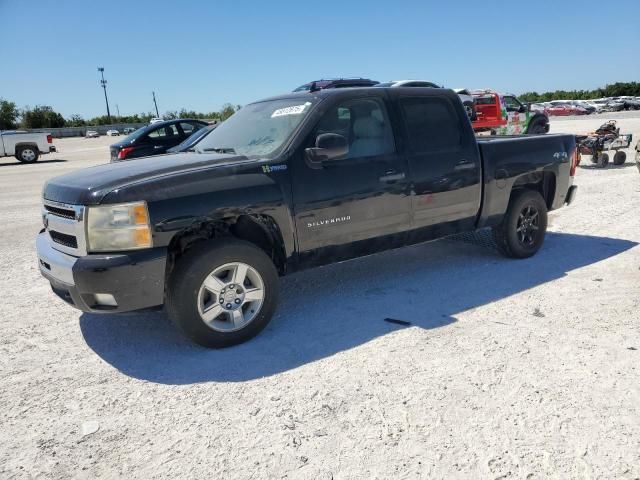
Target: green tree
{"type": "Point", "coordinates": [8, 115]}
{"type": "Point", "coordinates": [226, 112]}
{"type": "Point", "coordinates": [75, 120]}
{"type": "Point", "coordinates": [41, 116]}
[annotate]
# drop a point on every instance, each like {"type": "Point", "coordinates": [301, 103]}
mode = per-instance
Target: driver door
{"type": "Point", "coordinates": [357, 204]}
{"type": "Point", "coordinates": [516, 116]}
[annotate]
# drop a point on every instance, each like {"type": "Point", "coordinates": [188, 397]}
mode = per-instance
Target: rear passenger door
{"type": "Point", "coordinates": [444, 163]}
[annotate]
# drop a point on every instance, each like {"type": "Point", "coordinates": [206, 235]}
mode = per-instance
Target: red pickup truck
{"type": "Point", "coordinates": [504, 114]}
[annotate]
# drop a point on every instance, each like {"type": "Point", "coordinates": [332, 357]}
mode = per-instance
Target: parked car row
{"type": "Point", "coordinates": [586, 107]}
{"type": "Point", "coordinates": [110, 133]}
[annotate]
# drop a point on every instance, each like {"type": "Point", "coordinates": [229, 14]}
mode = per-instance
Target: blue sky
{"type": "Point", "coordinates": [202, 54]}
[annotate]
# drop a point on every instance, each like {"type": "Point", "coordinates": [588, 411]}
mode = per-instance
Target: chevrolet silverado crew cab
{"type": "Point", "coordinates": [288, 183]}
{"type": "Point", "coordinates": [25, 146]}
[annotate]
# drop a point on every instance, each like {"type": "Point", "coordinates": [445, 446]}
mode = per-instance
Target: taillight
{"type": "Point", "coordinates": [575, 160]}
{"type": "Point", "coordinates": [49, 138]}
{"type": "Point", "coordinates": [122, 154]}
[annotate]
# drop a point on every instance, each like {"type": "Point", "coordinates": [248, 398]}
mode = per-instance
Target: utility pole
{"type": "Point", "coordinates": [103, 82]}
{"type": "Point", "coordinates": [154, 102]}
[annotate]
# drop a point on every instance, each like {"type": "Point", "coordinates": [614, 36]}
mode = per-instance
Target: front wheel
{"type": "Point", "coordinates": [523, 228]}
{"type": "Point", "coordinates": [537, 128]}
{"type": "Point", "coordinates": [27, 154]}
{"type": "Point", "coordinates": [223, 293]}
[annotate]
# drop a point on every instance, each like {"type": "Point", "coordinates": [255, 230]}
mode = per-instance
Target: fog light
{"type": "Point", "coordinates": [105, 299]}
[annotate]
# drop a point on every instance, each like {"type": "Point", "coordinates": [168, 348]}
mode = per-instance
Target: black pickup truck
{"type": "Point", "coordinates": [287, 183]}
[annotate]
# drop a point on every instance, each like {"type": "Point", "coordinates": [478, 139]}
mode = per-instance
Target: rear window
{"type": "Point", "coordinates": [432, 124]}
{"type": "Point", "coordinates": [486, 100]}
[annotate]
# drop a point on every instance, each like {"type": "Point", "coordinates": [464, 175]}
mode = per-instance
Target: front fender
{"type": "Point", "coordinates": [178, 202]}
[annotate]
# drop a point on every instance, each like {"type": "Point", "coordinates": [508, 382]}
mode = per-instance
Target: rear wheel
{"type": "Point", "coordinates": [27, 154]}
{"type": "Point", "coordinates": [222, 293]}
{"type": "Point", "coordinates": [619, 158]}
{"type": "Point", "coordinates": [523, 228]}
{"type": "Point", "coordinates": [602, 160]}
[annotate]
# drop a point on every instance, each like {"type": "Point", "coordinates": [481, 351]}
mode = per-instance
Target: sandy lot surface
{"type": "Point", "coordinates": [511, 369]}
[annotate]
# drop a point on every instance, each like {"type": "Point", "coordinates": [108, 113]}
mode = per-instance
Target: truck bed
{"type": "Point", "coordinates": [507, 158]}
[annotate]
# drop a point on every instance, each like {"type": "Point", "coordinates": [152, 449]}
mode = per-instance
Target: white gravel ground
{"type": "Point", "coordinates": [511, 369]}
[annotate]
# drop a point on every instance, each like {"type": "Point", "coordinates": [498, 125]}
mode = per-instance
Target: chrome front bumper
{"type": "Point", "coordinates": [54, 265]}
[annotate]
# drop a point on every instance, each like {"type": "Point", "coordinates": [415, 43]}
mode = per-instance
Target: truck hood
{"type": "Point", "coordinates": [88, 186]}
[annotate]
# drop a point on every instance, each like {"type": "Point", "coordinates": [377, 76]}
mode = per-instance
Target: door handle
{"type": "Point", "coordinates": [157, 147]}
{"type": "Point", "coordinates": [392, 176]}
{"type": "Point", "coordinates": [465, 164]}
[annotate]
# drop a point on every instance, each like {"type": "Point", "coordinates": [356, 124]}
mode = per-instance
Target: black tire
{"type": "Point", "coordinates": [603, 160]}
{"type": "Point", "coordinates": [619, 158]}
{"type": "Point", "coordinates": [27, 154]}
{"type": "Point", "coordinates": [187, 278]}
{"type": "Point", "coordinates": [516, 238]}
{"type": "Point", "coordinates": [537, 127]}
{"type": "Point", "coordinates": [471, 111]}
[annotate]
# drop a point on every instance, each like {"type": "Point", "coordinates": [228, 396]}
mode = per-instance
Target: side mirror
{"type": "Point", "coordinates": [523, 109]}
{"type": "Point", "coordinates": [329, 147]}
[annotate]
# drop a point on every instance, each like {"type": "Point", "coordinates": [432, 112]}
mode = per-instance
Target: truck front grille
{"type": "Point", "coordinates": [61, 212]}
{"type": "Point", "coordinates": [65, 225]}
{"type": "Point", "coordinates": [64, 239]}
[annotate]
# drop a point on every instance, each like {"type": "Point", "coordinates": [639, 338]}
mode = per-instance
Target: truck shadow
{"type": "Point", "coordinates": [339, 307]}
{"type": "Point", "coordinates": [5, 164]}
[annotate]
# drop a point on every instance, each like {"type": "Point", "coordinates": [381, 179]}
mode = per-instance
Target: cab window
{"type": "Point", "coordinates": [365, 125]}
{"type": "Point", "coordinates": [431, 124]}
{"type": "Point", "coordinates": [513, 105]}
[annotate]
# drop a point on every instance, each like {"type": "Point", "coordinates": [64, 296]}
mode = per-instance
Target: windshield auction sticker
{"type": "Point", "coordinates": [292, 110]}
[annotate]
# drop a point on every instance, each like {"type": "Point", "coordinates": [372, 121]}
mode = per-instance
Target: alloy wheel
{"type": "Point", "coordinates": [528, 225]}
{"type": "Point", "coordinates": [231, 297]}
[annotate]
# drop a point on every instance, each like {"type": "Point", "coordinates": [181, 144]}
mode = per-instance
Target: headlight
{"type": "Point", "coordinates": [118, 227]}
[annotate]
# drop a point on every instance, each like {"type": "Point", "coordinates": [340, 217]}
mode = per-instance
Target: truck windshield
{"type": "Point", "coordinates": [257, 129]}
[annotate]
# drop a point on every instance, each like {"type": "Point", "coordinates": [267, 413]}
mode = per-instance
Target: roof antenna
{"type": "Point", "coordinates": [313, 87]}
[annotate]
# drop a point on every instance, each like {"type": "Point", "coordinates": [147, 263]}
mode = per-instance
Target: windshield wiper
{"type": "Point", "coordinates": [220, 150]}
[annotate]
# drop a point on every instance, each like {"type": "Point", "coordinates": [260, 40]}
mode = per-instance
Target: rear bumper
{"type": "Point", "coordinates": [571, 194]}
{"type": "Point", "coordinates": [133, 280]}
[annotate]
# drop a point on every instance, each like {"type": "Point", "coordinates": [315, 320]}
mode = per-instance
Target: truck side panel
{"type": "Point", "coordinates": [512, 161]}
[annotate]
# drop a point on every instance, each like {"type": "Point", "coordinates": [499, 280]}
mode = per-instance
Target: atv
{"type": "Point", "coordinates": [605, 137]}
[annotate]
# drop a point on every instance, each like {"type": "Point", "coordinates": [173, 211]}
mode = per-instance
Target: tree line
{"type": "Point", "coordinates": [614, 90]}
{"type": "Point", "coordinates": [44, 116]}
